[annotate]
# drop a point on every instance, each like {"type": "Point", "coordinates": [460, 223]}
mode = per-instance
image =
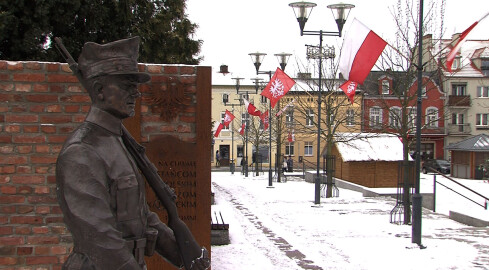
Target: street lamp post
{"type": "Point", "coordinates": [232, 165]}
{"type": "Point", "coordinates": [302, 11]}
{"type": "Point", "coordinates": [257, 81]}
{"type": "Point", "coordinates": [245, 164]}
{"type": "Point", "coordinates": [257, 59]}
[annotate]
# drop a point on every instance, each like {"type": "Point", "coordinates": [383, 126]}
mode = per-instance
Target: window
{"type": "Point", "coordinates": [223, 114]}
{"type": "Point", "coordinates": [432, 117]}
{"type": "Point", "coordinates": [482, 91]}
{"type": "Point", "coordinates": [263, 99]}
{"type": "Point", "coordinates": [395, 117]}
{"type": "Point", "coordinates": [375, 117]}
{"type": "Point", "coordinates": [243, 96]}
{"type": "Point", "coordinates": [289, 149]}
{"type": "Point", "coordinates": [456, 63]}
{"type": "Point", "coordinates": [385, 87]}
{"type": "Point", "coordinates": [458, 89]}
{"type": "Point", "coordinates": [485, 67]}
{"type": "Point", "coordinates": [308, 149]}
{"type": "Point", "coordinates": [309, 117]}
{"type": "Point", "coordinates": [289, 116]}
{"type": "Point", "coordinates": [458, 119]}
{"type": "Point", "coordinates": [423, 91]}
{"type": "Point", "coordinates": [481, 119]}
{"type": "Point", "coordinates": [412, 117]}
{"type": "Point", "coordinates": [350, 117]}
{"type": "Point", "coordinates": [225, 98]}
{"type": "Point", "coordinates": [245, 118]}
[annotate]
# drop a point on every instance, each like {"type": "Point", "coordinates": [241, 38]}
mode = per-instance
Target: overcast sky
{"type": "Point", "coordinates": [231, 29]}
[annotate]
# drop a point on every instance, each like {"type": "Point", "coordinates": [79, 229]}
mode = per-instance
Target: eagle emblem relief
{"type": "Point", "coordinates": [168, 98]}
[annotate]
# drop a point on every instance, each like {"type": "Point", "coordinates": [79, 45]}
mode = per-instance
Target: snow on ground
{"type": "Point", "coordinates": [281, 228]}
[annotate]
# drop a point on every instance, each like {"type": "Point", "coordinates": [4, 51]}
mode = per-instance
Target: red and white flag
{"type": "Point", "coordinates": [361, 49]}
{"type": "Point", "coordinates": [277, 87]}
{"type": "Point", "coordinates": [265, 119]}
{"type": "Point", "coordinates": [460, 42]}
{"type": "Point", "coordinates": [217, 128]}
{"type": "Point", "coordinates": [284, 108]}
{"type": "Point", "coordinates": [291, 137]}
{"type": "Point", "coordinates": [251, 108]}
{"type": "Point", "coordinates": [349, 88]}
{"type": "Point", "coordinates": [228, 117]}
{"type": "Point", "coordinates": [242, 129]}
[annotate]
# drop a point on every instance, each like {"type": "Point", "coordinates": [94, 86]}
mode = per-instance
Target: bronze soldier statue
{"type": "Point", "coordinates": [100, 188]}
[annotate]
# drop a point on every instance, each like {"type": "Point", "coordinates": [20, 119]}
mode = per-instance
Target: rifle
{"type": "Point", "coordinates": [188, 247]}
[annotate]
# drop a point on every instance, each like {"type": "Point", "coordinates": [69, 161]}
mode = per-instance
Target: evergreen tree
{"type": "Point", "coordinates": [28, 26]}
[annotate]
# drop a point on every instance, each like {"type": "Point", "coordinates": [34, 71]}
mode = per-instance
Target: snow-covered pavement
{"type": "Point", "coordinates": [281, 228]}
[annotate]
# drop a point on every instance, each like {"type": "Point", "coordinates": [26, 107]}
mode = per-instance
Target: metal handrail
{"type": "Point", "coordinates": [460, 184]}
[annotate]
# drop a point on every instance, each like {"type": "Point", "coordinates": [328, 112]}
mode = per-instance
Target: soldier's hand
{"type": "Point", "coordinates": [203, 262]}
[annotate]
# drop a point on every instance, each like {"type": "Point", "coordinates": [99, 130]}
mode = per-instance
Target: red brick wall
{"type": "Point", "coordinates": [40, 105]}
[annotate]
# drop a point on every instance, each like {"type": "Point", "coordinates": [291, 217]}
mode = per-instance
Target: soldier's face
{"type": "Point", "coordinates": [119, 96]}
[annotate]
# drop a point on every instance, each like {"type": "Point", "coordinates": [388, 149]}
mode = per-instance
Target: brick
{"type": "Point", "coordinates": [12, 240]}
{"type": "Point", "coordinates": [7, 250]}
{"type": "Point", "coordinates": [7, 169]}
{"type": "Point", "coordinates": [53, 108]}
{"type": "Point", "coordinates": [48, 128]}
{"type": "Point", "coordinates": [24, 230]}
{"type": "Point", "coordinates": [10, 98]}
{"type": "Point", "coordinates": [9, 209]}
{"type": "Point", "coordinates": [75, 98]}
{"type": "Point", "coordinates": [187, 70]}
{"type": "Point", "coordinates": [187, 119]}
{"type": "Point", "coordinates": [69, 129]}
{"type": "Point", "coordinates": [24, 169]}
{"type": "Point", "coordinates": [154, 68]}
{"type": "Point", "coordinates": [42, 250]}
{"type": "Point", "coordinates": [12, 199]}
{"type": "Point", "coordinates": [6, 139]}
{"type": "Point", "coordinates": [29, 139]}
{"type": "Point", "coordinates": [44, 240]}
{"type": "Point", "coordinates": [4, 179]}
{"type": "Point", "coordinates": [8, 261]}
{"type": "Point", "coordinates": [170, 69]}
{"type": "Point", "coordinates": [25, 209]}
{"type": "Point", "coordinates": [3, 64]}
{"type": "Point", "coordinates": [12, 128]}
{"type": "Point", "coordinates": [28, 179]}
{"type": "Point", "coordinates": [75, 89]}
{"type": "Point", "coordinates": [42, 98]}
{"type": "Point", "coordinates": [40, 230]}
{"type": "Point", "coordinates": [41, 260]}
{"type": "Point", "coordinates": [42, 199]}
{"type": "Point", "coordinates": [42, 170]}
{"type": "Point", "coordinates": [56, 88]}
{"type": "Point", "coordinates": [52, 67]}
{"type": "Point", "coordinates": [22, 118]}
{"type": "Point", "coordinates": [31, 129]}
{"type": "Point", "coordinates": [42, 210]}
{"type": "Point", "coordinates": [57, 138]}
{"type": "Point", "coordinates": [72, 108]}
{"type": "Point", "coordinates": [24, 250]}
{"type": "Point", "coordinates": [24, 190]}
{"type": "Point", "coordinates": [15, 66]}
{"type": "Point", "coordinates": [58, 250]}
{"type": "Point", "coordinates": [43, 159]}
{"type": "Point", "coordinates": [42, 148]}
{"type": "Point", "coordinates": [6, 149]}
{"type": "Point", "coordinates": [25, 220]}
{"type": "Point", "coordinates": [8, 189]}
{"type": "Point", "coordinates": [40, 88]}
{"type": "Point", "coordinates": [58, 219]}
{"type": "Point", "coordinates": [37, 108]}
{"type": "Point", "coordinates": [62, 78]}
{"type": "Point", "coordinates": [23, 87]}
{"type": "Point", "coordinates": [6, 230]}
{"type": "Point", "coordinates": [24, 149]}
{"type": "Point", "coordinates": [33, 65]}
{"type": "Point", "coordinates": [18, 108]}
{"type": "Point", "coordinates": [58, 229]}
{"type": "Point", "coordinates": [29, 77]}
{"type": "Point", "coordinates": [41, 190]}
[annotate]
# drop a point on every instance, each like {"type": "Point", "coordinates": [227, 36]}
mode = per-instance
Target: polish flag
{"type": "Point", "coordinates": [460, 42]}
{"type": "Point", "coordinates": [277, 87]}
{"type": "Point", "coordinates": [349, 88]}
{"type": "Point", "coordinates": [291, 137]}
{"type": "Point", "coordinates": [361, 49]}
{"type": "Point", "coordinates": [251, 108]}
{"type": "Point", "coordinates": [242, 129]}
{"type": "Point", "coordinates": [217, 128]}
{"type": "Point", "coordinates": [284, 108]}
{"type": "Point", "coordinates": [264, 118]}
{"type": "Point", "coordinates": [228, 117]}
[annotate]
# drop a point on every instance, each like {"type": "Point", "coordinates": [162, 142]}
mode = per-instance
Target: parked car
{"type": "Point", "coordinates": [439, 165]}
